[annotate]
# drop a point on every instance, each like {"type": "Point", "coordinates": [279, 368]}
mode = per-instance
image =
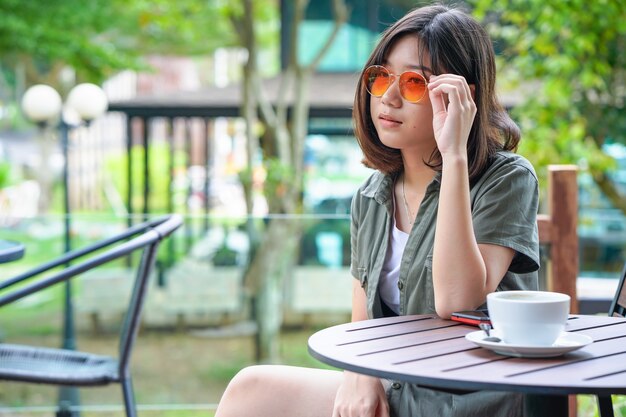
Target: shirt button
{"type": "Point", "coordinates": [396, 385]}
{"type": "Point", "coordinates": [400, 285]}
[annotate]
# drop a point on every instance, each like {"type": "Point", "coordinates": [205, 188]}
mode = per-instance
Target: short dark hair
{"type": "Point", "coordinates": [457, 44]}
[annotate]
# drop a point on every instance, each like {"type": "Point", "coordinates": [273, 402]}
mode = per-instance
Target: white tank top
{"type": "Point", "coordinates": [388, 285]}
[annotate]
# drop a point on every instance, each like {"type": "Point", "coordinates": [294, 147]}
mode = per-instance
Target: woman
{"type": "Point", "coordinates": [449, 216]}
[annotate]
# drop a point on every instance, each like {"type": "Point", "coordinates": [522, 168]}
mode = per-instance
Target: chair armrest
{"type": "Point", "coordinates": [38, 284]}
{"type": "Point", "coordinates": [152, 231]}
{"type": "Point", "coordinates": [87, 250]}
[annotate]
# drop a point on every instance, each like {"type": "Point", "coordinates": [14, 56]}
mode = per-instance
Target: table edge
{"type": "Point", "coordinates": [453, 384]}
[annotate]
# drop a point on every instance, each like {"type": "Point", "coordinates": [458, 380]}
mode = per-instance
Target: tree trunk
{"type": "Point", "coordinates": [265, 278]}
{"type": "Point", "coordinates": [274, 256]}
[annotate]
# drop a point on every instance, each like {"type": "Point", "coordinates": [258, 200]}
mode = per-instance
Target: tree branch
{"type": "Point", "coordinates": [340, 13]}
{"type": "Point", "coordinates": [288, 75]}
{"type": "Point", "coordinates": [298, 16]}
{"type": "Point", "coordinates": [610, 190]}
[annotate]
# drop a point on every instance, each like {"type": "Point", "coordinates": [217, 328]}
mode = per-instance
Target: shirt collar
{"type": "Point", "coordinates": [381, 186]}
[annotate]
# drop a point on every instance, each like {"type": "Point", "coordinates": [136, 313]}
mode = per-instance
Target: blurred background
{"type": "Point", "coordinates": [238, 115]}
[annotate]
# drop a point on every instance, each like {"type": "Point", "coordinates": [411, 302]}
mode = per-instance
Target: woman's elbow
{"type": "Point", "coordinates": [444, 310]}
{"type": "Point", "coordinates": [445, 306]}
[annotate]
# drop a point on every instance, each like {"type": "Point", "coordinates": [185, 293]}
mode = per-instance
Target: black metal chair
{"type": "Point", "coordinates": [81, 369]}
{"type": "Point", "coordinates": [618, 305]}
{"type": "Point", "coordinates": [617, 309]}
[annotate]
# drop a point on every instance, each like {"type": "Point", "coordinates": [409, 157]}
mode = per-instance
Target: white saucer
{"type": "Point", "coordinates": [566, 342]}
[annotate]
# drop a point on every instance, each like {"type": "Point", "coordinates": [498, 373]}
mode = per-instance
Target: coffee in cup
{"type": "Point", "coordinates": [528, 318]}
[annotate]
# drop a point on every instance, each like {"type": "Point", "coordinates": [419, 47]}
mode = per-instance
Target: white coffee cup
{"type": "Point", "coordinates": [528, 318]}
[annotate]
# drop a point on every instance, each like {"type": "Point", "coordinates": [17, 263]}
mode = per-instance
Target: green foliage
{"type": "Point", "coordinates": [225, 256]}
{"type": "Point", "coordinates": [60, 31]}
{"type": "Point", "coordinates": [308, 249]}
{"type": "Point", "coordinates": [98, 37]}
{"type": "Point", "coordinates": [279, 179]}
{"type": "Point", "coordinates": [567, 58]}
{"type": "Point", "coordinates": [266, 18]}
{"type": "Point", "coordinates": [159, 180]}
{"type": "Point", "coordinates": [246, 176]}
{"type": "Point", "coordinates": [5, 174]}
{"type": "Point", "coordinates": [188, 27]}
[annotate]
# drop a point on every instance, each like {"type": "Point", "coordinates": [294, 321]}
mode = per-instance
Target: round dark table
{"type": "Point", "coordinates": [432, 352]}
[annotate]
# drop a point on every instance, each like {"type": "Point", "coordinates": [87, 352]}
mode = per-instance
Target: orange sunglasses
{"type": "Point", "coordinates": [412, 85]}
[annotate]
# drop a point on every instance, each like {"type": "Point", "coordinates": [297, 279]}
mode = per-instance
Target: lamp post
{"type": "Point", "coordinates": [43, 105]}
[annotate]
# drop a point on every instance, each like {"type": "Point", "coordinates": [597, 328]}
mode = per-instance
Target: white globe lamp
{"type": "Point", "coordinates": [41, 103]}
{"type": "Point", "coordinates": [88, 100]}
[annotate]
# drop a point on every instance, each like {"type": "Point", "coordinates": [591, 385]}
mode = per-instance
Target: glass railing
{"type": "Point", "coordinates": [197, 327]}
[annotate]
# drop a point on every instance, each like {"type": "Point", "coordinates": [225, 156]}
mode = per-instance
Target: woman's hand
{"type": "Point", "coordinates": [360, 396]}
{"type": "Point", "coordinates": [453, 113]}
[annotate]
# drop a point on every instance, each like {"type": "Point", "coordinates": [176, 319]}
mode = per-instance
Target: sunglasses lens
{"type": "Point", "coordinates": [377, 80]}
{"type": "Point", "coordinates": [412, 86]}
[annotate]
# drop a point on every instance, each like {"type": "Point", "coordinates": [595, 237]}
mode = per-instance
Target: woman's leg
{"type": "Point", "coordinates": [276, 391]}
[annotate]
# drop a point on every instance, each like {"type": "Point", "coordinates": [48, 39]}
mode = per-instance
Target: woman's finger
{"type": "Point", "coordinates": [454, 97]}
{"type": "Point", "coordinates": [437, 101]}
{"type": "Point", "coordinates": [465, 92]}
{"type": "Point", "coordinates": [444, 88]}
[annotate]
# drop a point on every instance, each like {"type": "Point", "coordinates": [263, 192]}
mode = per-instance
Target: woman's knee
{"type": "Point", "coordinates": [253, 381]}
{"type": "Point", "coordinates": [257, 382]}
{"type": "Point", "coordinates": [276, 390]}
{"type": "Point", "coordinates": [242, 391]}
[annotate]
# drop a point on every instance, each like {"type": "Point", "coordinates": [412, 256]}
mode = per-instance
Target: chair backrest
{"type": "Point", "coordinates": [618, 305]}
{"type": "Point", "coordinates": [144, 237]}
{"type": "Point", "coordinates": [150, 241]}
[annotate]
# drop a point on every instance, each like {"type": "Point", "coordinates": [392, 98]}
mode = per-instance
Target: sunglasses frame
{"type": "Point", "coordinates": [392, 79]}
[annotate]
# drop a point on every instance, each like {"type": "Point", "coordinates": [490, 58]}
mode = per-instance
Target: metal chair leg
{"type": "Point", "coordinates": [605, 405]}
{"type": "Point", "coordinates": [129, 397]}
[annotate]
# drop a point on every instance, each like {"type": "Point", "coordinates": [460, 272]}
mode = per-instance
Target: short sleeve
{"type": "Point", "coordinates": [504, 213]}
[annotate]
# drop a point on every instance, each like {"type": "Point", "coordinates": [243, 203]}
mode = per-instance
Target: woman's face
{"type": "Point", "coordinates": [401, 124]}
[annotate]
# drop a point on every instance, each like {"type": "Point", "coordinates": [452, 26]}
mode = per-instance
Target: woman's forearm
{"type": "Point", "coordinates": [359, 301]}
{"type": "Point", "coordinates": [459, 271]}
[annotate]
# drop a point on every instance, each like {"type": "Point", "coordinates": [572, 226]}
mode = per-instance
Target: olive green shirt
{"type": "Point", "coordinates": [504, 203]}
